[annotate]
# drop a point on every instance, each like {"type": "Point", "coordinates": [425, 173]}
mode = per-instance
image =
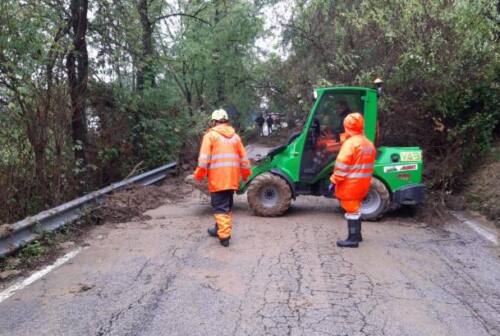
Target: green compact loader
{"type": "Point", "coordinates": [303, 165]}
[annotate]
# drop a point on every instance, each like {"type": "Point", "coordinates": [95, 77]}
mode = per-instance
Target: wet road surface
{"type": "Point", "coordinates": [280, 276]}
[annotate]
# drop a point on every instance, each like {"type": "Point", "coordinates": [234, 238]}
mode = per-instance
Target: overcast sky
{"type": "Point", "coordinates": [273, 17]}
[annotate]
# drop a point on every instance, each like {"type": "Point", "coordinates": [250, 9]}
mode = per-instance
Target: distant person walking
{"type": "Point", "coordinates": [223, 160]}
{"type": "Point", "coordinates": [259, 121]}
{"type": "Point", "coordinates": [269, 122]}
{"type": "Point", "coordinates": [352, 176]}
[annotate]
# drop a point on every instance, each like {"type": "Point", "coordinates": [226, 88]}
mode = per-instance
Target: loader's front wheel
{"type": "Point", "coordinates": [269, 195]}
{"type": "Point", "coordinates": [376, 202]}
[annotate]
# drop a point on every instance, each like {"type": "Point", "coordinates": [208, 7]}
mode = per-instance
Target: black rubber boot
{"type": "Point", "coordinates": [351, 240]}
{"type": "Point", "coordinates": [225, 242]}
{"type": "Point", "coordinates": [213, 231]}
{"type": "Point", "coordinates": [358, 229]}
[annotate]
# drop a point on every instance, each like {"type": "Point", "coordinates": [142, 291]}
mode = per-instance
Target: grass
{"type": "Point", "coordinates": [30, 255]}
{"type": "Point", "coordinates": [33, 250]}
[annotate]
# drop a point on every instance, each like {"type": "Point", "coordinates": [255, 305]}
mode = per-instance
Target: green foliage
{"type": "Point", "coordinates": [163, 127]}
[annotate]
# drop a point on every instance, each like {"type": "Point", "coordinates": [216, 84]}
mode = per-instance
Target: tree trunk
{"type": "Point", "coordinates": [217, 59]}
{"type": "Point", "coordinates": [145, 72]}
{"type": "Point", "coordinates": [38, 138]}
{"type": "Point", "coordinates": [77, 69]}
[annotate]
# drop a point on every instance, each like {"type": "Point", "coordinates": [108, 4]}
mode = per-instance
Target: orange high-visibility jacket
{"type": "Point", "coordinates": [223, 159]}
{"type": "Point", "coordinates": [355, 161]}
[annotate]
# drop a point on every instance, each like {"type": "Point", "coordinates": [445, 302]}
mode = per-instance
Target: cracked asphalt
{"type": "Point", "coordinates": [280, 276]}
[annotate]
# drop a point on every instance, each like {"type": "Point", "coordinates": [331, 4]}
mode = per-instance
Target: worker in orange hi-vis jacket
{"type": "Point", "coordinates": [352, 175]}
{"type": "Point", "coordinates": [223, 159]}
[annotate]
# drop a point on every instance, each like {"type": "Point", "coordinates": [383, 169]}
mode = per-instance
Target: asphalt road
{"type": "Point", "coordinates": [280, 276]}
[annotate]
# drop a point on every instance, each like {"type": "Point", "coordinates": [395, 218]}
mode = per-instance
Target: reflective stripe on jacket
{"type": "Point", "coordinates": [354, 168]}
{"type": "Point", "coordinates": [223, 159]}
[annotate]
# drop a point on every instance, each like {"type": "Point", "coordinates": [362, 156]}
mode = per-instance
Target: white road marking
{"type": "Point", "coordinates": [37, 275]}
{"type": "Point", "coordinates": [480, 229]}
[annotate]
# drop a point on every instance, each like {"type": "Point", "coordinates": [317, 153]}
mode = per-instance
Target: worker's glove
{"type": "Point", "coordinates": [331, 188]}
{"type": "Point", "coordinates": [199, 174]}
{"type": "Point", "coordinates": [245, 173]}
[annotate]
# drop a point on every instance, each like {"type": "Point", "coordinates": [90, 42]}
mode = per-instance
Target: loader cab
{"type": "Point", "coordinates": [325, 130]}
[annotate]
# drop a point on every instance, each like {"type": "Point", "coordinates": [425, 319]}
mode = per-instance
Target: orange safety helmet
{"type": "Point", "coordinates": [354, 123]}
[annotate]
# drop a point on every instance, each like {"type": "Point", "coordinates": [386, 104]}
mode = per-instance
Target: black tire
{"type": "Point", "coordinates": [376, 202]}
{"type": "Point", "coordinates": [269, 195]}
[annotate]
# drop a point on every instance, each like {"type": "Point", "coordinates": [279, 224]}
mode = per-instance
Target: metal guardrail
{"type": "Point", "coordinates": [31, 228]}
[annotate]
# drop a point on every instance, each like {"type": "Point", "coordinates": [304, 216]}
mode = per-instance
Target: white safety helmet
{"type": "Point", "coordinates": [219, 115]}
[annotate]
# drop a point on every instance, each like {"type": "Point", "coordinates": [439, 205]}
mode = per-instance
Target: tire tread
{"type": "Point", "coordinates": [254, 190]}
{"type": "Point", "coordinates": [385, 196]}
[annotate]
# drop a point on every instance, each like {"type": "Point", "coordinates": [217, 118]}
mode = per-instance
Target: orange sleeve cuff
{"type": "Point", "coordinates": [336, 179]}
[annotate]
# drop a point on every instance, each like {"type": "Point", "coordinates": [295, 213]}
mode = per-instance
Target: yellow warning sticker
{"type": "Point", "coordinates": [411, 156]}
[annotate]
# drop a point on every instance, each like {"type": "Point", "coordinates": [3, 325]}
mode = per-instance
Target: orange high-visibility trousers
{"type": "Point", "coordinates": [222, 204]}
{"type": "Point", "coordinates": [352, 208]}
{"type": "Point", "coordinates": [224, 225]}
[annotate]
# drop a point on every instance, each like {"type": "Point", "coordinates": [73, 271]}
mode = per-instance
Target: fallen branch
{"type": "Point", "coordinates": [134, 170]}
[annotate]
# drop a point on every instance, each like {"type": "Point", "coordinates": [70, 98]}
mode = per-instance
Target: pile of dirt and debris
{"type": "Point", "coordinates": [130, 203]}
{"type": "Point", "coordinates": [433, 212]}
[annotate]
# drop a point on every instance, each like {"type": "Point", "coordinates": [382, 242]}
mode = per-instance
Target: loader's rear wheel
{"type": "Point", "coordinates": [269, 195]}
{"type": "Point", "coordinates": [376, 202]}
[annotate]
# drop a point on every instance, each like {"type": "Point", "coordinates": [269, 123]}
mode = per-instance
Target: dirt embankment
{"type": "Point", "coordinates": [482, 189]}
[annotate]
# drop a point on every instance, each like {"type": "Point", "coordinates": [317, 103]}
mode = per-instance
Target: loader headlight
{"type": "Point", "coordinates": [395, 157]}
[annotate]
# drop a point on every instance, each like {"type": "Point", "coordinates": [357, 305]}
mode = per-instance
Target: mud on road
{"type": "Point", "coordinates": [163, 275]}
